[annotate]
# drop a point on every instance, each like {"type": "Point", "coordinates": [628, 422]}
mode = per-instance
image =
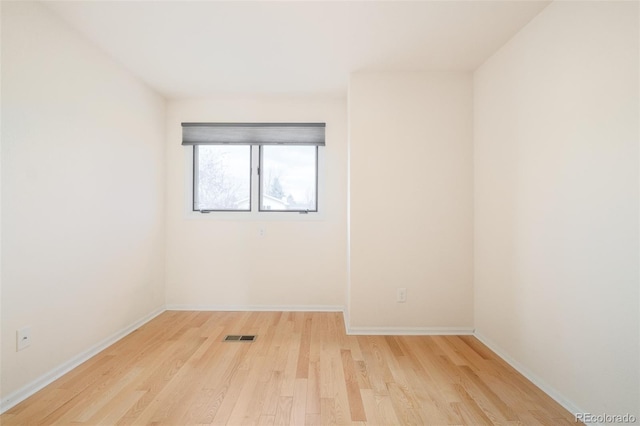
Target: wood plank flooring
{"type": "Point", "coordinates": [301, 370]}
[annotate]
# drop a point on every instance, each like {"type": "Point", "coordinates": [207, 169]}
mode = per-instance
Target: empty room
{"type": "Point", "coordinates": [316, 213]}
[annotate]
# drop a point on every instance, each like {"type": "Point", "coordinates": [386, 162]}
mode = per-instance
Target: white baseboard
{"type": "Point", "coordinates": [46, 379]}
{"type": "Point", "coordinates": [414, 331]}
{"type": "Point", "coordinates": [259, 308]}
{"type": "Point", "coordinates": [549, 390]}
{"type": "Point", "coordinates": [346, 319]}
{"type": "Point", "coordinates": [31, 388]}
{"type": "Point", "coordinates": [409, 331]}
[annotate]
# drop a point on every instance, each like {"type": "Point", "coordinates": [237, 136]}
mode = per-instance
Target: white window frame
{"type": "Point", "coordinates": [194, 189]}
{"type": "Point", "coordinates": [255, 214]}
{"type": "Point", "coordinates": [260, 149]}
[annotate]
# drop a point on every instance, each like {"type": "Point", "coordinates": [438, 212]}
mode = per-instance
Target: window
{"type": "Point", "coordinates": [222, 177]}
{"type": "Point", "coordinates": [288, 178]}
{"type": "Point", "coordinates": [264, 167]}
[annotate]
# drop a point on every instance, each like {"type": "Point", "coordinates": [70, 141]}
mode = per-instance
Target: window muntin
{"type": "Point", "coordinates": [288, 178]}
{"type": "Point", "coordinates": [222, 178]}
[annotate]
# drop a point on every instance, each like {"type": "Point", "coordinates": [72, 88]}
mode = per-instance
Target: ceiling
{"type": "Point", "coordinates": [187, 49]}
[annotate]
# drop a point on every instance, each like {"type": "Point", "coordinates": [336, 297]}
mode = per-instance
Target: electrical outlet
{"type": "Point", "coordinates": [401, 296]}
{"type": "Point", "coordinates": [23, 337]}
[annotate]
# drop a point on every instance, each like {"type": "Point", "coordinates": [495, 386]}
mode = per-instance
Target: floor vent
{"type": "Point", "coordinates": [240, 338]}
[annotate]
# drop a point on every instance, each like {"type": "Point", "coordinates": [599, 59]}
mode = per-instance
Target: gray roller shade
{"type": "Point", "coordinates": [253, 133]}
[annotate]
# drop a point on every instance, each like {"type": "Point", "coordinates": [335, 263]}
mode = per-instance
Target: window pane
{"type": "Point", "coordinates": [223, 177]}
{"type": "Point", "coordinates": [288, 178]}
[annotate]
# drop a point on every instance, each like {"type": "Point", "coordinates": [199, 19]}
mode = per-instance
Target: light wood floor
{"type": "Point", "coordinates": [302, 369]}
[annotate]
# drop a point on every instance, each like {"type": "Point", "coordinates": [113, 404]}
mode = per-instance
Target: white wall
{"type": "Point", "coordinates": [411, 200]}
{"type": "Point", "coordinates": [220, 260]}
{"type": "Point", "coordinates": [556, 203]}
{"type": "Point", "coordinates": [82, 192]}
